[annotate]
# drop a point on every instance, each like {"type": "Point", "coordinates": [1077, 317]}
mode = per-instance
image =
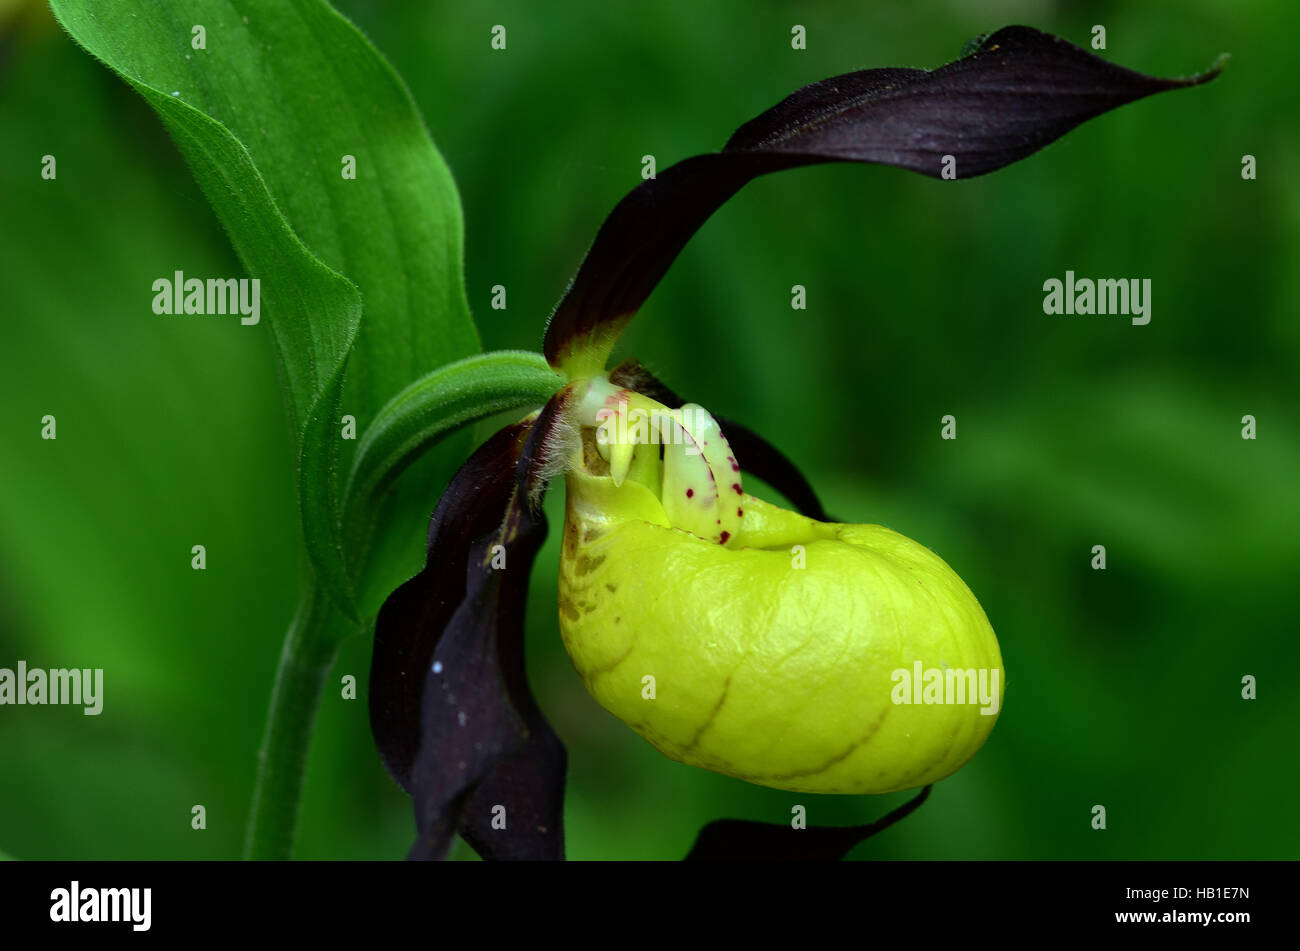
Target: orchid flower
{"type": "Point", "coordinates": [731, 633]}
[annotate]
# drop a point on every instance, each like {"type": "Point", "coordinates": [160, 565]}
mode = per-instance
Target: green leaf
{"type": "Point", "coordinates": [425, 412]}
{"type": "Point", "coordinates": [265, 114]}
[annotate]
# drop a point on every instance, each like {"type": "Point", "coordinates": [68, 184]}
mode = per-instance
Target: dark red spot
{"type": "Point", "coordinates": [740, 513]}
{"type": "Point", "coordinates": [735, 466]}
{"type": "Point", "coordinates": [690, 493]}
{"type": "Point", "coordinates": [739, 490]}
{"type": "Point", "coordinates": [724, 536]}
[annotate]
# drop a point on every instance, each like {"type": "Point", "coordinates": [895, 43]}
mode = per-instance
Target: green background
{"type": "Point", "coordinates": [924, 298]}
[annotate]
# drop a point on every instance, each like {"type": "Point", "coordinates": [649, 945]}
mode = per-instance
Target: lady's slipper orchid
{"type": "Point", "coordinates": [777, 647]}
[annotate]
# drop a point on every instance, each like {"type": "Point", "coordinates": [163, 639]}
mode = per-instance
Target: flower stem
{"type": "Point", "coordinates": [309, 649]}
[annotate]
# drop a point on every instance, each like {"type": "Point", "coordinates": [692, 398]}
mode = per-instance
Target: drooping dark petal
{"type": "Point", "coordinates": [472, 747]}
{"type": "Point", "coordinates": [1020, 90]}
{"type": "Point", "coordinates": [414, 617]}
{"type": "Point", "coordinates": [755, 454]}
{"type": "Point", "coordinates": [528, 782]}
{"type": "Point", "coordinates": [738, 839]}
{"type": "Point", "coordinates": [467, 720]}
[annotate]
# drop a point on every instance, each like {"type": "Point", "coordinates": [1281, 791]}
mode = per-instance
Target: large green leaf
{"type": "Point", "coordinates": [362, 284]}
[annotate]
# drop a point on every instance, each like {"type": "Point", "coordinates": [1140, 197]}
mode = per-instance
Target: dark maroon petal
{"type": "Point", "coordinates": [530, 785]}
{"type": "Point", "coordinates": [415, 616]}
{"type": "Point", "coordinates": [1020, 90]}
{"type": "Point", "coordinates": [467, 721]}
{"type": "Point", "coordinates": [528, 781]}
{"type": "Point", "coordinates": [469, 743]}
{"type": "Point", "coordinates": [755, 454]}
{"type": "Point", "coordinates": [739, 840]}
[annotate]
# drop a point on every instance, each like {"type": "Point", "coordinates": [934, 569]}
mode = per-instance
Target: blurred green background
{"type": "Point", "coordinates": [924, 298]}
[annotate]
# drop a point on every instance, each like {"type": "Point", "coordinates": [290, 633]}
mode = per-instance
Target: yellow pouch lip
{"type": "Point", "coordinates": [639, 595]}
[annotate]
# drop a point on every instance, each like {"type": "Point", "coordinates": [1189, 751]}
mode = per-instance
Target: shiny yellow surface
{"type": "Point", "coordinates": [774, 658]}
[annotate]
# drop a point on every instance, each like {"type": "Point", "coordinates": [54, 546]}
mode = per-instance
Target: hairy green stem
{"type": "Point", "coordinates": [305, 660]}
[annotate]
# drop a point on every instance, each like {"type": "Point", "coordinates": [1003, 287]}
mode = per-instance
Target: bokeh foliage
{"type": "Point", "coordinates": [924, 299]}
